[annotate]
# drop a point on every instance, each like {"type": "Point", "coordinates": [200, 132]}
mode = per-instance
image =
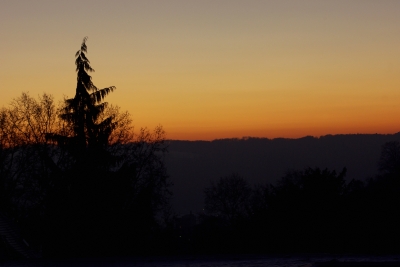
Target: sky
{"type": "Point", "coordinates": [211, 69]}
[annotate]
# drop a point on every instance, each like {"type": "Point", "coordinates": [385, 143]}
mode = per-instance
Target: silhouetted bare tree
{"type": "Point", "coordinates": [24, 157]}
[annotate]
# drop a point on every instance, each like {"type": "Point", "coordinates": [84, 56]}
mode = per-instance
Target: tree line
{"type": "Point", "coordinates": [312, 210]}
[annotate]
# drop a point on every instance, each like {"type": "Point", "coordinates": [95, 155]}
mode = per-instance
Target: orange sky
{"type": "Point", "coordinates": [216, 69]}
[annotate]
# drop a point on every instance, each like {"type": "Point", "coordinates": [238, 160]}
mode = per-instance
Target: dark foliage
{"type": "Point", "coordinates": [308, 211]}
{"type": "Point", "coordinates": [76, 180]}
{"type": "Point", "coordinates": [228, 199]}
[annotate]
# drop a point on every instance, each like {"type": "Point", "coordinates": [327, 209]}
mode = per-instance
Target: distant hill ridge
{"type": "Point", "coordinates": [192, 164]}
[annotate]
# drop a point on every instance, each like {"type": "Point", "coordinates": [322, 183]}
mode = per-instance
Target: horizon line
{"type": "Point", "coordinates": [244, 138]}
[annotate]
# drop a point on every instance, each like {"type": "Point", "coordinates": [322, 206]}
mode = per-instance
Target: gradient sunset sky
{"type": "Point", "coordinates": [216, 69]}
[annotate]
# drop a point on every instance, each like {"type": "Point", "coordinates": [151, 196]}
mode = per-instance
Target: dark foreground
{"type": "Point", "coordinates": [225, 260]}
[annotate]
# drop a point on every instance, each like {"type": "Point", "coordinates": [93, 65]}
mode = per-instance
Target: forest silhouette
{"type": "Point", "coordinates": [76, 181]}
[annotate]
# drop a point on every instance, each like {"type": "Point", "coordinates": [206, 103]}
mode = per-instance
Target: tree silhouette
{"type": "Point", "coordinates": [116, 181]}
{"type": "Point", "coordinates": [306, 205]}
{"type": "Point", "coordinates": [229, 198]}
{"type": "Point", "coordinates": [89, 134]}
{"type": "Point", "coordinates": [25, 176]}
{"type": "Point", "coordinates": [84, 201]}
{"type": "Point", "coordinates": [389, 161]}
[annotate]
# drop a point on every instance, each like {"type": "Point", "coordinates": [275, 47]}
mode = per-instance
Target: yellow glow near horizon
{"type": "Point", "coordinates": [216, 69]}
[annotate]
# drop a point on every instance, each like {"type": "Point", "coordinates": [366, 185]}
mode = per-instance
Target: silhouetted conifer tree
{"type": "Point", "coordinates": [89, 136]}
{"type": "Point", "coordinates": [82, 192]}
{"type": "Point", "coordinates": [113, 186]}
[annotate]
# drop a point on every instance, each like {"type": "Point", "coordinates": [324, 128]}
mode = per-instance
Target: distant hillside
{"type": "Point", "coordinates": [192, 164]}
